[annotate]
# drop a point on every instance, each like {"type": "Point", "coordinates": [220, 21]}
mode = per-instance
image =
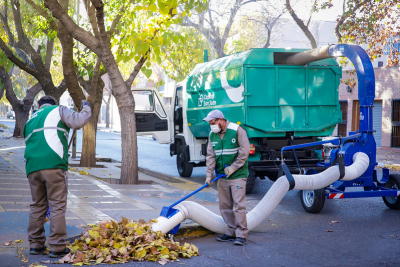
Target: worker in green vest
{"type": "Point", "coordinates": [46, 156]}
{"type": "Point", "coordinates": [227, 151]}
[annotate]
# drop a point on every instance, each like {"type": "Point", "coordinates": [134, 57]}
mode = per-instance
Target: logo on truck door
{"type": "Point", "coordinates": [207, 100]}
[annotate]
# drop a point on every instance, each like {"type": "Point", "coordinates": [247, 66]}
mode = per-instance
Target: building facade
{"type": "Point", "coordinates": [386, 111]}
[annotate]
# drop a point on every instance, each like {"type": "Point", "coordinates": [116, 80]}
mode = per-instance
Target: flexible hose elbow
{"type": "Point", "coordinates": [215, 223]}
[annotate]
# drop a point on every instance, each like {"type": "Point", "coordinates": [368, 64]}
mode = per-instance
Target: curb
{"type": "Point", "coordinates": [393, 167]}
{"type": "Point", "coordinates": [163, 176]}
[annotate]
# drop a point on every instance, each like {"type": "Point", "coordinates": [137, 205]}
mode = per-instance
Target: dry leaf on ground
{"type": "Point", "coordinates": [118, 242]}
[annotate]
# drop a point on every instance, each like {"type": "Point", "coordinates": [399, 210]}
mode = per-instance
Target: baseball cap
{"type": "Point", "coordinates": [214, 114]}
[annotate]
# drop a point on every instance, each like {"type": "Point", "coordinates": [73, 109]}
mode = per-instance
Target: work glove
{"type": "Point", "coordinates": [85, 103]}
{"type": "Point", "coordinates": [208, 181]}
{"type": "Point", "coordinates": [229, 171]}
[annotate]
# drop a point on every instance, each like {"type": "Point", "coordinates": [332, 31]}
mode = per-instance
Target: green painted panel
{"type": "Point", "coordinates": [323, 116]}
{"type": "Point", "coordinates": [260, 84]}
{"type": "Point", "coordinates": [291, 118]}
{"type": "Point", "coordinates": [262, 118]}
{"type": "Point", "coordinates": [268, 100]}
{"type": "Point", "coordinates": [291, 85]}
{"type": "Point", "coordinates": [322, 86]}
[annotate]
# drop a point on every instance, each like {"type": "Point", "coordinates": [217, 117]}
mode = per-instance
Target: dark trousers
{"type": "Point", "coordinates": [48, 189]}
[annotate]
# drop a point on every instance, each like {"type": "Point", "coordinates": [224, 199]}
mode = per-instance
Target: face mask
{"type": "Point", "coordinates": [215, 128]}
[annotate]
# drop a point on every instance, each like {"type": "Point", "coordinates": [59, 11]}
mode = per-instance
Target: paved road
{"type": "Point", "coordinates": [7, 122]}
{"type": "Point", "coordinates": [152, 155]}
{"type": "Point", "coordinates": [350, 232]}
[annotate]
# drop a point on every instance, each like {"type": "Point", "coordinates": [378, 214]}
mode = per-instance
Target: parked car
{"type": "Point", "coordinates": [11, 114]}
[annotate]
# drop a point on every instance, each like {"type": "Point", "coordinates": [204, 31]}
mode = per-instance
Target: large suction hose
{"type": "Point", "coordinates": [215, 223]}
{"type": "Point", "coordinates": [309, 56]}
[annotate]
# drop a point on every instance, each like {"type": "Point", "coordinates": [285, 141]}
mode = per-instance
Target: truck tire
{"type": "Point", "coordinates": [393, 183]}
{"type": "Point", "coordinates": [251, 181]}
{"type": "Point", "coordinates": [313, 201]}
{"type": "Point", "coordinates": [185, 168]}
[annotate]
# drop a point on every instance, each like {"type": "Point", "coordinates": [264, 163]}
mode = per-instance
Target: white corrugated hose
{"type": "Point", "coordinates": [208, 219]}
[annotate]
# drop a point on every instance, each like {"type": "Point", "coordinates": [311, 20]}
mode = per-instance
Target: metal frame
{"type": "Point", "coordinates": [360, 141]}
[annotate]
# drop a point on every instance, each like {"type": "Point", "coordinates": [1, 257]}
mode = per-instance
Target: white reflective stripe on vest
{"type": "Point", "coordinates": [41, 129]}
{"type": "Point", "coordinates": [227, 150]}
{"type": "Point", "coordinates": [226, 153]}
{"type": "Point", "coordinates": [50, 134]}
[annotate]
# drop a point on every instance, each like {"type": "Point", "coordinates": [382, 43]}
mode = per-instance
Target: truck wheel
{"type": "Point", "coordinates": [393, 183]}
{"type": "Point", "coordinates": [313, 201]}
{"type": "Point", "coordinates": [251, 181]}
{"type": "Point", "coordinates": [185, 168]}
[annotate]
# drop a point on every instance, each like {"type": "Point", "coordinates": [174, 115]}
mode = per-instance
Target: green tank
{"type": "Point", "coordinates": [259, 91]}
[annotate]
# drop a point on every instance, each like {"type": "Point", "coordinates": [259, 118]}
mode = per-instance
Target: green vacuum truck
{"type": "Point", "coordinates": [277, 100]}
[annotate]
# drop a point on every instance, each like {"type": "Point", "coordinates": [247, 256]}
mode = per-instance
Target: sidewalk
{"type": "Point", "coordinates": [90, 199]}
{"type": "Point", "coordinates": [389, 158]}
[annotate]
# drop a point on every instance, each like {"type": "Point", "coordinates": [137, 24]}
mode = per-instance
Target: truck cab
{"type": "Point", "coordinates": [168, 125]}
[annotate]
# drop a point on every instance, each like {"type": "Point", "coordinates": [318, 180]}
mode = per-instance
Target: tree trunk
{"type": "Point", "coordinates": [88, 158]}
{"type": "Point", "coordinates": [21, 117]}
{"type": "Point", "coordinates": [126, 106]}
{"type": "Point", "coordinates": [108, 113]}
{"type": "Point", "coordinates": [268, 43]}
{"type": "Point", "coordinates": [129, 170]}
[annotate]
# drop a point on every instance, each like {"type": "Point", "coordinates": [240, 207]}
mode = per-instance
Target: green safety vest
{"type": "Point", "coordinates": [46, 138]}
{"type": "Point", "coordinates": [226, 151]}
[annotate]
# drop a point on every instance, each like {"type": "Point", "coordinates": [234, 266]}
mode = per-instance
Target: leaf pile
{"type": "Point", "coordinates": [112, 242]}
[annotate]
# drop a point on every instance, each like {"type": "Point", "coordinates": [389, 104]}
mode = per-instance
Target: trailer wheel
{"type": "Point", "coordinates": [251, 181]}
{"type": "Point", "coordinates": [313, 201]}
{"type": "Point", "coordinates": [185, 168]}
{"type": "Point", "coordinates": [393, 183]}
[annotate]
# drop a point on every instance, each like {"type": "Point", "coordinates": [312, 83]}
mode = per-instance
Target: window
{"type": "Point", "coordinates": [380, 64]}
{"type": "Point", "coordinates": [396, 123]}
{"type": "Point", "coordinates": [143, 100]}
{"type": "Point", "coordinates": [342, 127]}
{"type": "Point", "coordinates": [179, 100]}
{"type": "Point", "coordinates": [159, 108]}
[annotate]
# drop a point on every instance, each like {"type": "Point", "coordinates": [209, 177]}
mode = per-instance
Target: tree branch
{"type": "Point", "coordinates": [83, 36]}
{"type": "Point", "coordinates": [5, 78]}
{"type": "Point", "coordinates": [23, 40]}
{"type": "Point", "coordinates": [300, 23]}
{"type": "Point", "coordinates": [44, 14]}
{"type": "Point", "coordinates": [16, 61]}
{"type": "Point", "coordinates": [33, 91]}
{"type": "Point", "coordinates": [343, 18]}
{"type": "Point", "coordinates": [92, 17]}
{"type": "Point", "coordinates": [99, 6]}
{"type": "Point", "coordinates": [135, 71]}
{"type": "Point", "coordinates": [118, 17]}
{"type": "Point", "coordinates": [96, 73]}
{"type": "Point", "coordinates": [49, 53]}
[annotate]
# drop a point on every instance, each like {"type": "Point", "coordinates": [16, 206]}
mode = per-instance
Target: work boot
{"type": "Point", "coordinates": [59, 254]}
{"type": "Point", "coordinates": [240, 241]}
{"type": "Point", "coordinates": [37, 251]}
{"type": "Point", "coordinates": [225, 238]}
